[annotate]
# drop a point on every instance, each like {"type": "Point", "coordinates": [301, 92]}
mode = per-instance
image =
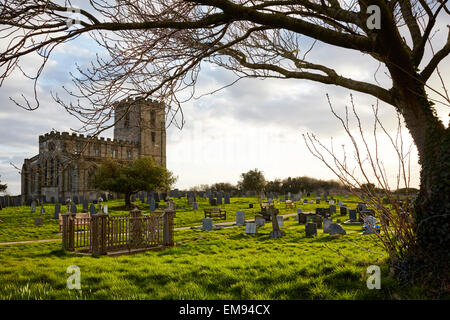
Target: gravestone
{"type": "Point", "coordinates": [38, 221]}
{"type": "Point", "coordinates": [332, 209]}
{"type": "Point", "coordinates": [219, 199]}
{"type": "Point", "coordinates": [352, 214]}
{"type": "Point", "coordinates": [152, 205]}
{"type": "Point", "coordinates": [250, 228]}
{"type": "Point", "coordinates": [105, 209]}
{"type": "Point", "coordinates": [207, 224]}
{"type": "Point", "coordinates": [343, 210]}
{"type": "Point", "coordinates": [301, 218]}
{"type": "Point", "coordinates": [311, 230]}
{"type": "Point", "coordinates": [250, 205]}
{"type": "Point", "coordinates": [33, 206]}
{"type": "Point", "coordinates": [73, 208]}
{"type": "Point", "coordinates": [369, 225]}
{"type": "Point", "coordinates": [227, 199]}
{"type": "Point", "coordinates": [240, 218]}
{"type": "Point", "coordinates": [92, 210]}
{"type": "Point", "coordinates": [335, 228]}
{"type": "Point", "coordinates": [85, 205]}
{"type": "Point", "coordinates": [259, 220]}
{"type": "Point", "coordinates": [318, 221]}
{"type": "Point", "coordinates": [195, 206]}
{"type": "Point", "coordinates": [42, 209]}
{"type": "Point", "coordinates": [280, 221]}
{"type": "Point", "coordinates": [57, 211]}
{"type": "Point", "coordinates": [326, 225]}
{"type": "Point", "coordinates": [340, 203]}
{"type": "Point", "coordinates": [212, 201]}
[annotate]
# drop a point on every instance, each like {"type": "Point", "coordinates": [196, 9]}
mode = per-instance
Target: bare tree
{"type": "Point", "coordinates": [156, 48]}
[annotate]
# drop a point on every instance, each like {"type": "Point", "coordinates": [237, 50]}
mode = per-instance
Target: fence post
{"type": "Point", "coordinates": [99, 233]}
{"type": "Point", "coordinates": [168, 216]}
{"type": "Point", "coordinates": [67, 231]}
{"type": "Point", "coordinates": [136, 229]}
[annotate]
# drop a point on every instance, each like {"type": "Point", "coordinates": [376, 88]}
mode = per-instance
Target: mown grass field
{"type": "Point", "coordinates": [220, 264]}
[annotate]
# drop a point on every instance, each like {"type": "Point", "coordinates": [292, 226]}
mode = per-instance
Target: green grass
{"type": "Point", "coordinates": [220, 264]}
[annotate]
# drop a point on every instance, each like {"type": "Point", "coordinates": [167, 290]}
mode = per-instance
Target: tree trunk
{"type": "Point", "coordinates": [432, 207]}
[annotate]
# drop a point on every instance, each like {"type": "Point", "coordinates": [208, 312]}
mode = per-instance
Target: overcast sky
{"type": "Point", "coordinates": [253, 124]}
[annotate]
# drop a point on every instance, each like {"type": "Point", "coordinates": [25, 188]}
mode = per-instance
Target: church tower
{"type": "Point", "coordinates": [143, 122]}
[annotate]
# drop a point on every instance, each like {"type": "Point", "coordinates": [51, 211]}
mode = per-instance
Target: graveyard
{"type": "Point", "coordinates": [235, 256]}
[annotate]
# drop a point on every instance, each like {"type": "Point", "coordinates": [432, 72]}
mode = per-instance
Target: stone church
{"type": "Point", "coordinates": [65, 162]}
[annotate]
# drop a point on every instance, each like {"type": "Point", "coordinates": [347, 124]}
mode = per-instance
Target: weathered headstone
{"type": "Point", "coordinates": [152, 205]}
{"type": "Point", "coordinates": [318, 221]}
{"type": "Point", "coordinates": [240, 218]}
{"type": "Point", "coordinates": [85, 205]}
{"type": "Point", "coordinates": [73, 208]}
{"type": "Point", "coordinates": [259, 220]}
{"type": "Point", "coordinates": [311, 230]}
{"type": "Point", "coordinates": [105, 209]}
{"type": "Point", "coordinates": [352, 214]}
{"type": "Point", "coordinates": [57, 211]}
{"type": "Point", "coordinates": [227, 199]}
{"type": "Point", "coordinates": [92, 210]}
{"type": "Point", "coordinates": [33, 206]}
{"type": "Point", "coordinates": [250, 228]}
{"type": "Point", "coordinates": [38, 221]}
{"type": "Point", "coordinates": [207, 224]}
{"type": "Point", "coordinates": [369, 225]}
{"type": "Point", "coordinates": [326, 225]}
{"type": "Point", "coordinates": [219, 199]}
{"type": "Point", "coordinates": [335, 228]}
{"type": "Point", "coordinates": [332, 209]}
{"type": "Point", "coordinates": [343, 210]}
{"type": "Point", "coordinates": [195, 206]}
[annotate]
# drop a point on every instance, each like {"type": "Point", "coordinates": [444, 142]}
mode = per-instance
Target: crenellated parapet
{"type": "Point", "coordinates": [74, 137]}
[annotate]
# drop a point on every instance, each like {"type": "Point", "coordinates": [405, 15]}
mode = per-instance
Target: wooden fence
{"type": "Point", "coordinates": [102, 234]}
